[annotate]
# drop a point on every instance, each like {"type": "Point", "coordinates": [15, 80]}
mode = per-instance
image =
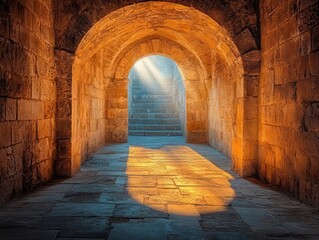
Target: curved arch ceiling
{"type": "Point", "coordinates": [186, 26]}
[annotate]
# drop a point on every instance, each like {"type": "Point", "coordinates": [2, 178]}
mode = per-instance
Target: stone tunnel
{"type": "Point", "coordinates": [250, 75]}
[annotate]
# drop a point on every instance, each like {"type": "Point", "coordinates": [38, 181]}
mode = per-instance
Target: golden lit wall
{"type": "Point", "coordinates": [27, 96]}
{"type": "Point", "coordinates": [198, 44]}
{"type": "Point", "coordinates": [289, 97]}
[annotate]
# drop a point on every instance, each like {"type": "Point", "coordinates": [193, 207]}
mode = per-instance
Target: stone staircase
{"type": "Point", "coordinates": [153, 111]}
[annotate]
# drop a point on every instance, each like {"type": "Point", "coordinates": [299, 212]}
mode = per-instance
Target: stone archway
{"type": "Point", "coordinates": [92, 93]}
{"type": "Point", "coordinates": [194, 74]}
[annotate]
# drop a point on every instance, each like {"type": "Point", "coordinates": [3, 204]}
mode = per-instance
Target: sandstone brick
{"type": "Point", "coordinates": [24, 110]}
{"type": "Point", "coordinates": [46, 170]}
{"type": "Point", "coordinates": [290, 49]}
{"type": "Point", "coordinates": [288, 30]}
{"type": "Point", "coordinates": [37, 108]}
{"type": "Point", "coordinates": [250, 153]}
{"type": "Point", "coordinates": [49, 109]}
{"type": "Point", "coordinates": [36, 88]}
{"type": "Point", "coordinates": [245, 41]}
{"type": "Point", "coordinates": [5, 133]}
{"type": "Point", "coordinates": [292, 115]}
{"type": "Point", "coordinates": [18, 132]}
{"type": "Point", "coordinates": [307, 90]}
{"type": "Point", "coordinates": [44, 150]}
{"type": "Point", "coordinates": [11, 109]}
{"type": "Point", "coordinates": [5, 55]}
{"type": "Point", "coordinates": [44, 128]}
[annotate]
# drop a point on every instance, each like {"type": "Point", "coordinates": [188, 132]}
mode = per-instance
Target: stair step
{"type": "Point", "coordinates": [154, 127]}
{"type": "Point", "coordinates": [153, 110]}
{"type": "Point", "coordinates": [151, 100]}
{"type": "Point", "coordinates": [153, 115]}
{"type": "Point", "coordinates": [154, 121]}
{"type": "Point", "coordinates": [152, 105]}
{"type": "Point", "coordinates": [152, 96]}
{"type": "Point", "coordinates": [155, 133]}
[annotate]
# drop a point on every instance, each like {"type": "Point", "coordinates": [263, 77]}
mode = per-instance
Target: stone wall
{"type": "Point", "coordinates": [289, 97]}
{"type": "Point", "coordinates": [178, 78]}
{"type": "Point", "coordinates": [222, 108]}
{"type": "Point", "coordinates": [27, 95]}
{"type": "Point", "coordinates": [89, 109]}
{"type": "Point", "coordinates": [189, 32]}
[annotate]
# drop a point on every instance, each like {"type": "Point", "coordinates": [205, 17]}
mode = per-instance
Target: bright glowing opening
{"type": "Point", "coordinates": [156, 98]}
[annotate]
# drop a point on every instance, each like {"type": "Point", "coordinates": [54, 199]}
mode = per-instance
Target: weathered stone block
{"type": "Point", "coordinates": [292, 115]}
{"type": "Point", "coordinates": [307, 90]}
{"type": "Point", "coordinates": [18, 132]}
{"type": "Point", "coordinates": [48, 89]}
{"type": "Point", "coordinates": [44, 150]}
{"type": "Point", "coordinates": [15, 86]}
{"type": "Point", "coordinates": [5, 55]}
{"type": "Point", "coordinates": [49, 109]}
{"type": "Point", "coordinates": [46, 170]}
{"type": "Point", "coordinates": [290, 49]}
{"type": "Point", "coordinates": [44, 128]}
{"type": "Point", "coordinates": [245, 41]}
{"type": "Point", "coordinates": [5, 133]}
{"type": "Point", "coordinates": [36, 88]}
{"type": "Point", "coordinates": [37, 108]}
{"type": "Point", "coordinates": [11, 109]}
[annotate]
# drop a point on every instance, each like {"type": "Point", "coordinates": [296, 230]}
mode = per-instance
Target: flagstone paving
{"type": "Point", "coordinates": [157, 188]}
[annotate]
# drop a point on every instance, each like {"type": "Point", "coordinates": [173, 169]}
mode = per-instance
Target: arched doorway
{"type": "Point", "coordinates": [156, 98]}
{"type": "Point", "coordinates": [217, 77]}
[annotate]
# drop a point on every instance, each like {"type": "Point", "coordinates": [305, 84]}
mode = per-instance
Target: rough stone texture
{"type": "Point", "coordinates": [63, 91]}
{"type": "Point", "coordinates": [186, 35]}
{"type": "Point", "coordinates": [27, 88]}
{"type": "Point", "coordinates": [289, 97]}
{"type": "Point", "coordinates": [89, 110]}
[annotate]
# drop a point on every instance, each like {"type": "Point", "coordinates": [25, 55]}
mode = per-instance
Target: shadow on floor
{"type": "Point", "coordinates": [157, 188]}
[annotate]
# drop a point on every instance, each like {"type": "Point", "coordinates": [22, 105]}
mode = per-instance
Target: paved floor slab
{"type": "Point", "coordinates": [157, 188]}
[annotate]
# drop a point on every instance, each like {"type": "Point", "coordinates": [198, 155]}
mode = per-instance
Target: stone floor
{"type": "Point", "coordinates": [157, 188]}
